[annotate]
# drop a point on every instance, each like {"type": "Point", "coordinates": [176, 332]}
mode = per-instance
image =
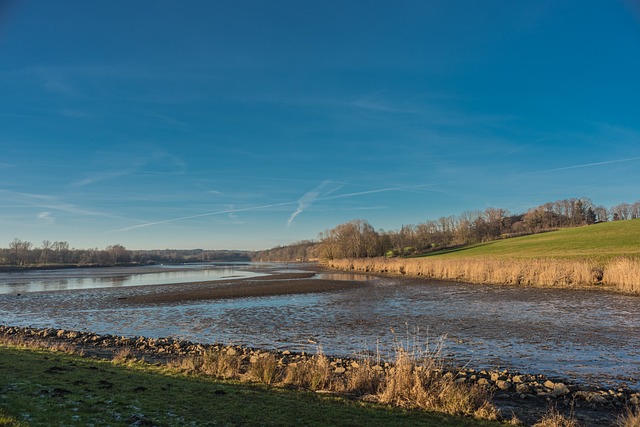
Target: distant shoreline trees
{"type": "Point", "coordinates": [22, 254]}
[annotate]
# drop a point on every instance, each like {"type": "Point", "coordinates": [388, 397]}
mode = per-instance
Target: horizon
{"type": "Point", "coordinates": [251, 125]}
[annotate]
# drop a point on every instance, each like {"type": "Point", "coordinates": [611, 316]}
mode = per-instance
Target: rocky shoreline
{"type": "Point", "coordinates": [523, 395]}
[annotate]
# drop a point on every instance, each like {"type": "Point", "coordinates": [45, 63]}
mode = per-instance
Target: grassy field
{"type": "Point", "coordinates": [604, 256]}
{"type": "Point", "coordinates": [599, 242]}
{"type": "Point", "coordinates": [47, 388]}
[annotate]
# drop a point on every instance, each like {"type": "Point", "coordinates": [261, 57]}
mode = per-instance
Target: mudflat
{"type": "Point", "coordinates": [277, 284]}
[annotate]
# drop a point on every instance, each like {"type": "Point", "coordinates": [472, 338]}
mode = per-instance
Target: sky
{"type": "Point", "coordinates": [248, 124]}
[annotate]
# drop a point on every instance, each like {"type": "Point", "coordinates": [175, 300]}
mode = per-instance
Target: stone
{"type": "Point", "coordinates": [597, 398]}
{"type": "Point", "coordinates": [517, 379]}
{"type": "Point", "coordinates": [483, 382]}
{"type": "Point", "coordinates": [523, 388]}
{"type": "Point", "coordinates": [503, 385]}
{"type": "Point", "coordinates": [549, 384]}
{"type": "Point", "coordinates": [340, 370]}
{"type": "Point", "coordinates": [560, 389]}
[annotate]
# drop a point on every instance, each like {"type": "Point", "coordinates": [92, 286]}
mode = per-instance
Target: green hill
{"type": "Point", "coordinates": [597, 242]}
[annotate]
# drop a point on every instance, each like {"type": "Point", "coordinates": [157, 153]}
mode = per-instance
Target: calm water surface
{"type": "Point", "coordinates": [588, 337]}
{"type": "Point", "coordinates": [90, 278]}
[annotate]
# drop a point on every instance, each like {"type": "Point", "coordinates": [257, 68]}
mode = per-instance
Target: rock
{"type": "Point", "coordinates": [517, 379]}
{"type": "Point", "coordinates": [597, 398]}
{"type": "Point", "coordinates": [483, 382]}
{"type": "Point", "coordinates": [340, 370]}
{"type": "Point", "coordinates": [549, 384]}
{"type": "Point", "coordinates": [559, 389]}
{"type": "Point", "coordinates": [503, 385]}
{"type": "Point", "coordinates": [523, 388]}
{"type": "Point", "coordinates": [286, 352]}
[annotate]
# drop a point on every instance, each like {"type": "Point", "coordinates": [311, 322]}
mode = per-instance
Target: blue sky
{"type": "Point", "coordinates": [249, 124]}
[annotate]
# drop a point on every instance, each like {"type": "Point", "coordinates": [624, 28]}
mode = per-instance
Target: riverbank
{"type": "Point", "coordinates": [618, 275]}
{"type": "Point", "coordinates": [527, 396]}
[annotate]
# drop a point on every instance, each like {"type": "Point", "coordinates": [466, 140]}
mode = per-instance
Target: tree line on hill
{"type": "Point", "coordinates": [358, 239]}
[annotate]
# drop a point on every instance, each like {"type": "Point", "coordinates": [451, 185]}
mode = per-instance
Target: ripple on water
{"type": "Point", "coordinates": [575, 334]}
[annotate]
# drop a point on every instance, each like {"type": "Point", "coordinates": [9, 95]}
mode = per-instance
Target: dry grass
{"type": "Point", "coordinates": [418, 381]}
{"type": "Point", "coordinates": [123, 355]}
{"type": "Point", "coordinates": [41, 344]}
{"type": "Point", "coordinates": [219, 364]}
{"type": "Point", "coordinates": [553, 418]}
{"type": "Point", "coordinates": [630, 418]}
{"type": "Point", "coordinates": [621, 274]}
{"type": "Point", "coordinates": [313, 373]}
{"type": "Point", "coordinates": [624, 273]}
{"type": "Point", "coordinates": [364, 378]}
{"type": "Point", "coordinates": [264, 369]}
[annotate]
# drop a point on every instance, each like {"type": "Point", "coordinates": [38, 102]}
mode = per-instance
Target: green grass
{"type": "Point", "coordinates": [599, 242]}
{"type": "Point", "coordinates": [45, 388]}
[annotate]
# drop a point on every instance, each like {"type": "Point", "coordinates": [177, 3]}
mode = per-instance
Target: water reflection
{"type": "Point", "coordinates": [67, 279]}
{"type": "Point", "coordinates": [580, 335]}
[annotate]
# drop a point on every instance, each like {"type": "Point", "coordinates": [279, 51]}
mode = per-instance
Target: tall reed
{"type": "Point", "coordinates": [622, 274]}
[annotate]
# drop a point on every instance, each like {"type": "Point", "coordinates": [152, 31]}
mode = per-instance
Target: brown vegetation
{"type": "Point", "coordinates": [553, 418]}
{"type": "Point", "coordinates": [619, 274]}
{"type": "Point", "coordinates": [630, 418]}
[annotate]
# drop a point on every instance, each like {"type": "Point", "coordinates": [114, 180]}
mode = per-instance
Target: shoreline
{"type": "Point", "coordinates": [525, 395]}
{"type": "Point", "coordinates": [619, 275]}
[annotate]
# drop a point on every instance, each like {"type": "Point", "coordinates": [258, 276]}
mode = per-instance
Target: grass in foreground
{"type": "Point", "coordinates": [44, 388]}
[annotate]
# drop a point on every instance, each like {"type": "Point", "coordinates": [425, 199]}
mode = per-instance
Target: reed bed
{"type": "Point", "coordinates": [620, 274]}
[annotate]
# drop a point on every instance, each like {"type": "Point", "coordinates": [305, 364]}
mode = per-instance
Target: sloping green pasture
{"type": "Point", "coordinates": [600, 242]}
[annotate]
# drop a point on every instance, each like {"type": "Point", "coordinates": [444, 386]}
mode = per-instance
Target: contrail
{"type": "Point", "coordinates": [305, 201]}
{"type": "Point", "coordinates": [587, 165]}
{"type": "Point", "coordinates": [253, 208]}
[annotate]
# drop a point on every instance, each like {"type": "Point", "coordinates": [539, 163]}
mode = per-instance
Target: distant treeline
{"type": "Point", "coordinates": [23, 254]}
{"type": "Point", "coordinates": [358, 239]}
{"type": "Point", "coordinates": [305, 250]}
{"type": "Point", "coordinates": [354, 239]}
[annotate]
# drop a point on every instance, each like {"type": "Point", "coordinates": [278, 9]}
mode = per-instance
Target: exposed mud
{"type": "Point", "coordinates": [584, 337]}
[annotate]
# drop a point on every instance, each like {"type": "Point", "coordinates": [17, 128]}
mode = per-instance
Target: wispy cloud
{"type": "Point", "coordinates": [588, 165]}
{"type": "Point", "coordinates": [222, 212]}
{"type": "Point", "coordinates": [321, 193]}
{"type": "Point", "coordinates": [315, 195]}
{"type": "Point", "coordinates": [148, 163]}
{"type": "Point", "coordinates": [46, 217]}
{"type": "Point", "coordinates": [308, 198]}
{"type": "Point", "coordinates": [44, 201]}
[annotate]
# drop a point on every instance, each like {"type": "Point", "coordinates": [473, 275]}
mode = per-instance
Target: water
{"type": "Point", "coordinates": [91, 278]}
{"type": "Point", "coordinates": [584, 336]}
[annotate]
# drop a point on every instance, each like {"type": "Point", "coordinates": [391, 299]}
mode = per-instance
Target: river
{"type": "Point", "coordinates": [583, 336]}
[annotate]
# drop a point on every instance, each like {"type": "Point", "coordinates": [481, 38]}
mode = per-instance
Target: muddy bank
{"type": "Point", "coordinates": [274, 285]}
{"type": "Point", "coordinates": [525, 395]}
{"type": "Point", "coordinates": [586, 337]}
